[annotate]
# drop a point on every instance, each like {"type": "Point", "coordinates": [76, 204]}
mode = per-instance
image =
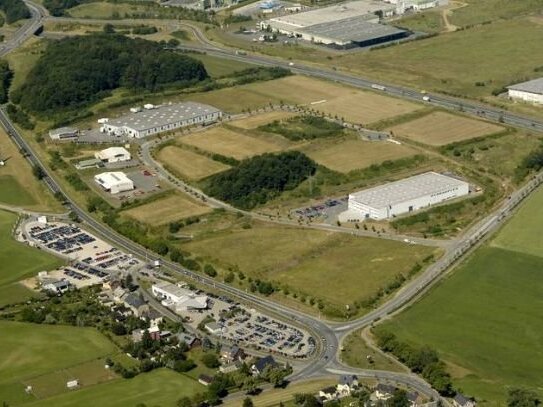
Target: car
{"type": "Point", "coordinates": [291, 64]}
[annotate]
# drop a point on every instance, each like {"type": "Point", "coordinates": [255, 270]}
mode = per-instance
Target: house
{"type": "Point", "coordinates": [261, 365]}
{"type": "Point", "coordinates": [57, 287]}
{"type": "Point", "coordinates": [346, 384]}
{"type": "Point", "coordinates": [154, 332]}
{"type": "Point", "coordinates": [214, 328]}
{"type": "Point", "coordinates": [191, 340]}
{"type": "Point", "coordinates": [232, 353]}
{"type": "Point", "coordinates": [230, 367]}
{"type": "Point", "coordinates": [153, 316]}
{"type": "Point", "coordinates": [384, 391]}
{"type": "Point", "coordinates": [135, 303]}
{"type": "Point", "coordinates": [205, 379]}
{"type": "Point", "coordinates": [460, 400]}
{"type": "Point", "coordinates": [328, 394]}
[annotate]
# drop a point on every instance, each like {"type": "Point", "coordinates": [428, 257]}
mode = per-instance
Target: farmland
{"type": "Point", "coordinates": [226, 142]}
{"type": "Point", "coordinates": [484, 319]}
{"type": "Point", "coordinates": [171, 208]}
{"type": "Point", "coordinates": [439, 128]}
{"type": "Point", "coordinates": [189, 164]}
{"type": "Point", "coordinates": [348, 154]}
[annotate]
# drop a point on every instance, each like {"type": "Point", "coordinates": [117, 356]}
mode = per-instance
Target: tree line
{"type": "Point", "coordinates": [74, 72]}
{"type": "Point", "coordinates": [14, 10]}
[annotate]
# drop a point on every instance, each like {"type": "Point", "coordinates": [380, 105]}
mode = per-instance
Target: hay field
{"type": "Point", "coordinates": [348, 155]}
{"type": "Point", "coordinates": [165, 210]}
{"type": "Point", "coordinates": [253, 122]}
{"type": "Point", "coordinates": [226, 142]}
{"type": "Point", "coordinates": [189, 164]}
{"type": "Point", "coordinates": [439, 128]}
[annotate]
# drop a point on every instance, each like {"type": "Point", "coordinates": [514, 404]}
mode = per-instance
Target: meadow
{"type": "Point", "coordinates": [104, 10]}
{"type": "Point", "coordinates": [252, 122]}
{"type": "Point", "coordinates": [189, 164]}
{"type": "Point", "coordinates": [485, 318]}
{"type": "Point", "coordinates": [480, 11]}
{"type": "Point", "coordinates": [440, 128]}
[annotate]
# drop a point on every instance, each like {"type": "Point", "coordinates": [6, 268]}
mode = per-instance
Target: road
{"type": "Point", "coordinates": [27, 30]}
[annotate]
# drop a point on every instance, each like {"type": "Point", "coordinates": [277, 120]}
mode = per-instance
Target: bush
{"type": "Point", "coordinates": [210, 360]}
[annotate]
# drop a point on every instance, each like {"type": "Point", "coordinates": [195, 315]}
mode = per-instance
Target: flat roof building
{"type": "Point", "coordinates": [157, 119]}
{"type": "Point", "coordinates": [113, 155]}
{"type": "Point", "coordinates": [531, 91]}
{"type": "Point", "coordinates": [178, 297]}
{"type": "Point", "coordinates": [403, 196]}
{"type": "Point", "coordinates": [114, 182]}
{"type": "Point", "coordinates": [64, 133]}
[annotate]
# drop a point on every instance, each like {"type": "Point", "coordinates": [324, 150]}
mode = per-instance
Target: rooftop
{"type": "Point", "coordinates": [162, 115]}
{"type": "Point", "coordinates": [112, 152]}
{"type": "Point", "coordinates": [62, 130]}
{"type": "Point", "coordinates": [112, 178]}
{"type": "Point", "coordinates": [406, 189]}
{"type": "Point", "coordinates": [533, 86]}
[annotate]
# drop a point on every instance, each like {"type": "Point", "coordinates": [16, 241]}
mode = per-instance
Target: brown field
{"type": "Point", "coordinates": [226, 142]}
{"type": "Point", "coordinates": [255, 121]}
{"type": "Point", "coordinates": [165, 210]}
{"type": "Point", "coordinates": [348, 155]}
{"type": "Point", "coordinates": [438, 129]}
{"type": "Point", "coordinates": [189, 164]}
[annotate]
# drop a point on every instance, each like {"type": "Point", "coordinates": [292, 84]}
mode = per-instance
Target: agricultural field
{"type": "Point", "coordinates": [439, 128]}
{"type": "Point", "coordinates": [226, 142]}
{"type": "Point", "coordinates": [252, 122]}
{"type": "Point", "coordinates": [164, 210]}
{"type": "Point", "coordinates": [189, 164]}
{"type": "Point", "coordinates": [346, 155]}
{"type": "Point", "coordinates": [480, 11]}
{"type": "Point", "coordinates": [485, 318]}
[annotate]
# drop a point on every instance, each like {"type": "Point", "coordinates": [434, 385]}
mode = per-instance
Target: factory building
{"type": "Point", "coordinates": [531, 91]}
{"type": "Point", "coordinates": [403, 196]}
{"type": "Point", "coordinates": [64, 133]}
{"type": "Point", "coordinates": [179, 298]}
{"type": "Point", "coordinates": [114, 182]}
{"type": "Point", "coordinates": [113, 155]}
{"type": "Point", "coordinates": [158, 119]}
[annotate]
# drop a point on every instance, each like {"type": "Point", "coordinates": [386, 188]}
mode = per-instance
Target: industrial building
{"type": "Point", "coordinates": [531, 91]}
{"type": "Point", "coordinates": [416, 5]}
{"type": "Point", "coordinates": [113, 155]}
{"type": "Point", "coordinates": [345, 25]}
{"type": "Point", "coordinates": [157, 119]}
{"type": "Point", "coordinates": [64, 133]}
{"type": "Point", "coordinates": [403, 196]}
{"type": "Point", "coordinates": [179, 298]}
{"type": "Point", "coordinates": [114, 182]}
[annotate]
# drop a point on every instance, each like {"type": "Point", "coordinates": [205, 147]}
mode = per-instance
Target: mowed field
{"type": "Point", "coordinates": [304, 259]}
{"type": "Point", "coordinates": [103, 10]}
{"type": "Point", "coordinates": [229, 143]}
{"type": "Point", "coordinates": [253, 122]}
{"type": "Point", "coordinates": [188, 164]}
{"type": "Point", "coordinates": [485, 319]}
{"type": "Point", "coordinates": [348, 155]}
{"type": "Point", "coordinates": [171, 208]}
{"type": "Point", "coordinates": [439, 128]}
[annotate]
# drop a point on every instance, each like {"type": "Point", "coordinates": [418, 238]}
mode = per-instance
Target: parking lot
{"type": "Point", "coordinates": [327, 210]}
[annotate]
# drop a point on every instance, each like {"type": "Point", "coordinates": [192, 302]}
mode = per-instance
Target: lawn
{"type": "Point", "coordinates": [103, 10]}
{"type": "Point", "coordinates": [23, 59]}
{"type": "Point", "coordinates": [171, 208]}
{"type": "Point", "coordinates": [345, 155]}
{"type": "Point", "coordinates": [253, 122]}
{"type": "Point", "coordinates": [485, 320]}
{"type": "Point", "coordinates": [229, 143]}
{"type": "Point", "coordinates": [13, 192]}
{"type": "Point", "coordinates": [189, 164]}
{"type": "Point", "coordinates": [479, 11]}
{"type": "Point", "coordinates": [439, 128]}
{"type": "Point", "coordinates": [18, 260]}
{"type": "Point", "coordinates": [429, 22]}
{"type": "Point", "coordinates": [217, 67]}
{"type": "Point", "coordinates": [14, 293]}
{"type": "Point", "coordinates": [161, 387]}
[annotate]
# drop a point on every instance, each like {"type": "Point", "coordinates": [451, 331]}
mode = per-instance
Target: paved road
{"type": "Point", "coordinates": [28, 29]}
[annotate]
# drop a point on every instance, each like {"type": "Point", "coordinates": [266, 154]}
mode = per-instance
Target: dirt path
{"type": "Point", "coordinates": [449, 27]}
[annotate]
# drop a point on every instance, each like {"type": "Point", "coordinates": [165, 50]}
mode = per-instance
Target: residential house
{"type": "Point", "coordinates": [261, 365]}
{"type": "Point", "coordinates": [153, 316]}
{"type": "Point", "coordinates": [191, 340]}
{"type": "Point", "coordinates": [346, 384]}
{"type": "Point", "coordinates": [231, 354]}
{"type": "Point", "coordinates": [460, 400]}
{"type": "Point", "coordinates": [384, 391]}
{"type": "Point", "coordinates": [135, 303]}
{"type": "Point", "coordinates": [230, 367]}
{"type": "Point", "coordinates": [328, 394]}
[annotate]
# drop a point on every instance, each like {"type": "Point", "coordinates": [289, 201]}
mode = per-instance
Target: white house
{"type": "Point", "coordinates": [113, 155]}
{"type": "Point", "coordinates": [531, 91]}
{"type": "Point", "coordinates": [57, 287]}
{"type": "Point", "coordinates": [114, 182]}
{"type": "Point", "coordinates": [179, 298]}
{"type": "Point", "coordinates": [403, 196]}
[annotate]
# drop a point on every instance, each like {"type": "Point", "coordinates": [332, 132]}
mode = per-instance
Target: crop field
{"type": "Point", "coordinates": [348, 155]}
{"type": "Point", "coordinates": [485, 318]}
{"type": "Point", "coordinates": [189, 164]}
{"type": "Point", "coordinates": [229, 143]}
{"type": "Point", "coordinates": [168, 209]}
{"type": "Point", "coordinates": [439, 128]}
{"type": "Point", "coordinates": [253, 122]}
{"type": "Point", "coordinates": [303, 259]}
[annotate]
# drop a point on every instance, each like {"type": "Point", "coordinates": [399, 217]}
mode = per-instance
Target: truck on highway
{"type": "Point", "coordinates": [378, 87]}
{"type": "Point", "coordinates": [426, 98]}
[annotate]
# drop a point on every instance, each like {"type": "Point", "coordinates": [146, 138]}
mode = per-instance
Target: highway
{"type": "Point", "coordinates": [28, 29]}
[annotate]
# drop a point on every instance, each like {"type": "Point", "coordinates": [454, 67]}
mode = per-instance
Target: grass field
{"type": "Point", "coordinates": [15, 292]}
{"type": "Point", "coordinates": [171, 208]}
{"type": "Point", "coordinates": [439, 128]}
{"type": "Point", "coordinates": [13, 192]}
{"type": "Point", "coordinates": [23, 59]}
{"type": "Point", "coordinates": [429, 21]}
{"type": "Point", "coordinates": [161, 387]}
{"type": "Point", "coordinates": [229, 143]}
{"type": "Point", "coordinates": [485, 318]}
{"type": "Point", "coordinates": [346, 155]}
{"type": "Point", "coordinates": [479, 11]}
{"type": "Point", "coordinates": [303, 259]}
{"type": "Point", "coordinates": [189, 164]}
{"type": "Point", "coordinates": [217, 67]}
{"type": "Point", "coordinates": [103, 10]}
{"type": "Point", "coordinates": [253, 122]}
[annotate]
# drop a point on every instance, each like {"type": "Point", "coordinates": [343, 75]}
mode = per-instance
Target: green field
{"type": "Point", "coordinates": [485, 320]}
{"type": "Point", "coordinates": [217, 67]}
{"type": "Point", "coordinates": [479, 11]}
{"type": "Point", "coordinates": [18, 260]}
{"type": "Point", "coordinates": [103, 10]}
{"type": "Point", "coordinates": [162, 387]}
{"type": "Point", "coordinates": [13, 192]}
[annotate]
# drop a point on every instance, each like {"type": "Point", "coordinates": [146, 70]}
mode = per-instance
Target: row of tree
{"type": "Point", "coordinates": [6, 75]}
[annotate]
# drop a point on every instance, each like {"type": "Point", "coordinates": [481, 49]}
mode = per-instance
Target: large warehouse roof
{"type": "Point", "coordinates": [354, 29]}
{"type": "Point", "coordinates": [406, 189]}
{"type": "Point", "coordinates": [533, 86]}
{"type": "Point", "coordinates": [110, 179]}
{"type": "Point", "coordinates": [112, 152]}
{"type": "Point", "coordinates": [163, 115]}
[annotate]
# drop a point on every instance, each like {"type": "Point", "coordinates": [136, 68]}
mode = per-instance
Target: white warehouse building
{"type": "Point", "coordinates": [114, 182]}
{"type": "Point", "coordinates": [113, 155]}
{"type": "Point", "coordinates": [531, 91]}
{"type": "Point", "coordinates": [179, 298]}
{"type": "Point", "coordinates": [158, 119]}
{"type": "Point", "coordinates": [403, 196]}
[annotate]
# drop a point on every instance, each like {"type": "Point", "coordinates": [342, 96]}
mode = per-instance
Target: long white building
{"type": "Point", "coordinates": [114, 182]}
{"type": "Point", "coordinates": [158, 119]}
{"type": "Point", "coordinates": [403, 196]}
{"type": "Point", "coordinates": [531, 91]}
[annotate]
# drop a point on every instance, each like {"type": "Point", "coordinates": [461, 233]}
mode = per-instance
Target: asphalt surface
{"type": "Point", "coordinates": [28, 29]}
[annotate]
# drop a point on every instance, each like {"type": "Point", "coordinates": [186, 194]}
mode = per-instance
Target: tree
{"type": "Point", "coordinates": [398, 399]}
{"type": "Point", "coordinates": [210, 270]}
{"type": "Point", "coordinates": [184, 402]}
{"type": "Point", "coordinates": [247, 402]}
{"type": "Point", "coordinates": [275, 375]}
{"type": "Point", "coordinates": [249, 385]}
{"type": "Point", "coordinates": [210, 360]}
{"type": "Point", "coordinates": [229, 278]}
{"type": "Point", "coordinates": [109, 29]}
{"type": "Point", "coordinates": [118, 329]}
{"type": "Point", "coordinates": [519, 397]}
